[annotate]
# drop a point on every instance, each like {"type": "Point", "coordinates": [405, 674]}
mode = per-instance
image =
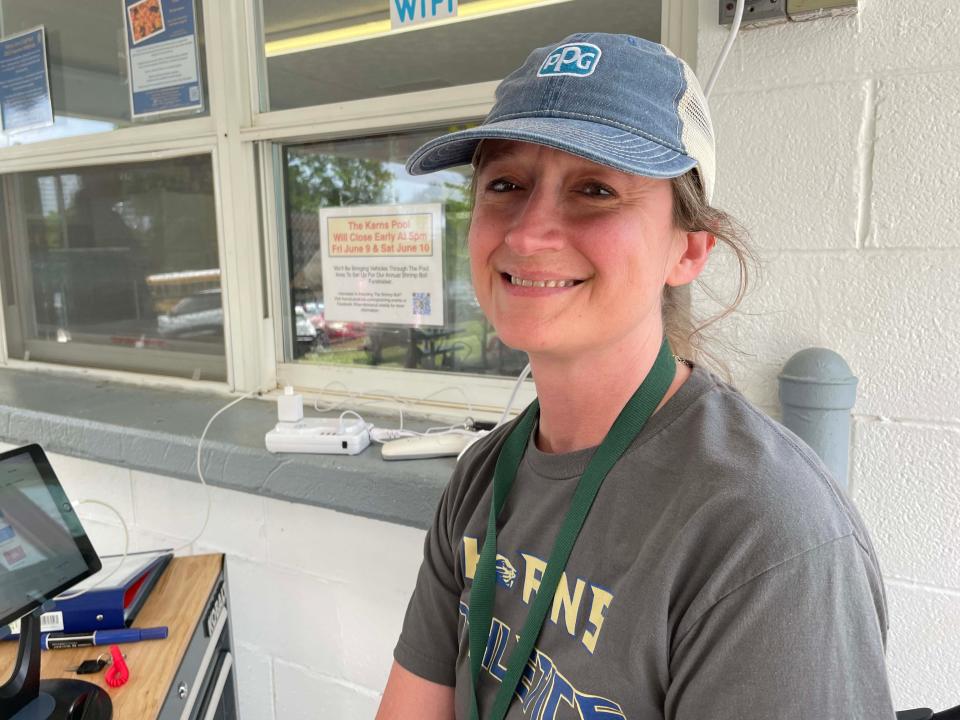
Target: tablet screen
{"type": "Point", "coordinates": [44, 549]}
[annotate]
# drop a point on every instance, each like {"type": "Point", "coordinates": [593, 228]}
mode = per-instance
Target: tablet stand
{"type": "Point", "coordinates": [25, 697]}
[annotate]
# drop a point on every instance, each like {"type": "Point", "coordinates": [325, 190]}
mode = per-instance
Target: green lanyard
{"type": "Point", "coordinates": [628, 425]}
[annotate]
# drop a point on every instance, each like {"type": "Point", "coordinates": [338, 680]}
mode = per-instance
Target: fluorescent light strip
{"type": "Point", "coordinates": [381, 28]}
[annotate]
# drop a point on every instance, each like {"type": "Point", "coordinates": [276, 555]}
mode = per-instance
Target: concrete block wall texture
{"type": "Point", "coordinates": [839, 150]}
{"type": "Point", "coordinates": [316, 597]}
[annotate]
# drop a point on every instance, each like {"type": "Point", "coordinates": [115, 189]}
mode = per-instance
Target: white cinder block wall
{"type": "Point", "coordinates": [839, 148]}
{"type": "Point", "coordinates": [316, 597]}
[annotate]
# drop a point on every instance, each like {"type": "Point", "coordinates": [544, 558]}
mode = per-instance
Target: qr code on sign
{"type": "Point", "coordinates": [421, 303]}
{"type": "Point", "coordinates": [194, 93]}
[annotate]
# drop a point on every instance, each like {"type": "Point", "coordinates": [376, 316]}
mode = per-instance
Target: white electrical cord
{"type": "Point", "coordinates": [734, 29]}
{"type": "Point", "coordinates": [457, 388]}
{"type": "Point", "coordinates": [354, 399]}
{"type": "Point", "coordinates": [401, 405]}
{"type": "Point", "coordinates": [506, 411]}
{"type": "Point", "coordinates": [513, 395]}
{"type": "Point", "coordinates": [385, 435]}
{"type": "Point", "coordinates": [203, 435]}
{"type": "Point", "coordinates": [126, 548]}
{"type": "Point", "coordinates": [350, 412]}
{"type": "Point", "coordinates": [334, 405]}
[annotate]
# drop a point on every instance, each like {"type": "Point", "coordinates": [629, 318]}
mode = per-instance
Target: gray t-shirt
{"type": "Point", "coordinates": [720, 574]}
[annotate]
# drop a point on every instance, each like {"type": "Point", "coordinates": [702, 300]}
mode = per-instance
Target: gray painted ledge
{"type": "Point", "coordinates": [156, 430]}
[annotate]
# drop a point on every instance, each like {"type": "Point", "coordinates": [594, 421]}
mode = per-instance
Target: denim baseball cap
{"type": "Point", "coordinates": [616, 100]}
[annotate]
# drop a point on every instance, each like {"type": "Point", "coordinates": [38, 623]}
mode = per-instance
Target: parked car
{"type": "Point", "coordinates": [335, 331]}
{"type": "Point", "coordinates": [196, 315]}
{"type": "Point", "coordinates": [307, 336]}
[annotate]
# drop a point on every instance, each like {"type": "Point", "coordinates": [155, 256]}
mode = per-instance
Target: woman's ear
{"type": "Point", "coordinates": [695, 248]}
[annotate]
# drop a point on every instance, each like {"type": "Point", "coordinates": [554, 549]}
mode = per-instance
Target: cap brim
{"type": "Point", "coordinates": [599, 143]}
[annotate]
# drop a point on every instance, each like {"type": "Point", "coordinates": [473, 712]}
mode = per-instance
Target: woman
{"type": "Point", "coordinates": [710, 566]}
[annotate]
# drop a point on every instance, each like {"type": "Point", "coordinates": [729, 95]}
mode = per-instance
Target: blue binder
{"type": "Point", "coordinates": [111, 606]}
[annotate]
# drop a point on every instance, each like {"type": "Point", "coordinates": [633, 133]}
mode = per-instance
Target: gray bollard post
{"type": "Point", "coordinates": [817, 392]}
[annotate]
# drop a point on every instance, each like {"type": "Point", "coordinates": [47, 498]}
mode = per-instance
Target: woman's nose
{"type": "Point", "coordinates": [537, 224]}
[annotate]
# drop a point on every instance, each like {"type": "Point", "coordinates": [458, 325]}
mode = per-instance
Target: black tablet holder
{"type": "Point", "coordinates": [26, 697]}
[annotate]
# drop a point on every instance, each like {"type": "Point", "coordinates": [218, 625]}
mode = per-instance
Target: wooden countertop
{"type": "Point", "coordinates": [176, 601]}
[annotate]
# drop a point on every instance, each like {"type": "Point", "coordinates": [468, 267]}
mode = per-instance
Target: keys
{"type": "Point", "coordinates": [89, 667]}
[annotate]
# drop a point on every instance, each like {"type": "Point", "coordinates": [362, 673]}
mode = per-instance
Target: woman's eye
{"type": "Point", "coordinates": [597, 190]}
{"type": "Point", "coordinates": [501, 185]}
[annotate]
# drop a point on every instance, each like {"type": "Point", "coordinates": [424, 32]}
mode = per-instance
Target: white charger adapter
{"type": "Point", "coordinates": [290, 406]}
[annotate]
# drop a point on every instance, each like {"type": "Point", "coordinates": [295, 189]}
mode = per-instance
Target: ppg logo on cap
{"type": "Point", "coordinates": [577, 59]}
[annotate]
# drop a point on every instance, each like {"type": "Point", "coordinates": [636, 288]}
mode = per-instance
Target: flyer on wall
{"type": "Point", "coordinates": [25, 81]}
{"type": "Point", "coordinates": [383, 264]}
{"type": "Point", "coordinates": [162, 56]}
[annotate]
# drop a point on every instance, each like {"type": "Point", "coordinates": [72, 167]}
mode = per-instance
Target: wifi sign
{"type": "Point", "coordinates": [404, 13]}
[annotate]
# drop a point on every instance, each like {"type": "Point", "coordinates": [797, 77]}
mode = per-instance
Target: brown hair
{"type": "Point", "coordinates": [692, 213]}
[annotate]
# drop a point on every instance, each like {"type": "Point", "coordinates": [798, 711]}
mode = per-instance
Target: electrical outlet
{"type": "Point", "coordinates": [756, 13]}
{"type": "Point", "coordinates": [813, 9]}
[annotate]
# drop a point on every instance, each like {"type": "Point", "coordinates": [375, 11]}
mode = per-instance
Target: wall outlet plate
{"type": "Point", "coordinates": [813, 9]}
{"type": "Point", "coordinates": [756, 13]}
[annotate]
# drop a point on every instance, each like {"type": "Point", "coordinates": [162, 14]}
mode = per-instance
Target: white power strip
{"type": "Point", "coordinates": [319, 435]}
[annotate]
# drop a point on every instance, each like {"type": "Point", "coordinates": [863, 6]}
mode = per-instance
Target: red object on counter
{"type": "Point", "coordinates": [118, 673]}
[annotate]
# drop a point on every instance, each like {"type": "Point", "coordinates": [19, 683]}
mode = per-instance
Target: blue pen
{"type": "Point", "coordinates": [57, 641]}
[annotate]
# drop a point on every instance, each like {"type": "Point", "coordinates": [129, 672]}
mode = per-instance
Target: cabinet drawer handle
{"type": "Point", "coordinates": [204, 664]}
{"type": "Point", "coordinates": [219, 686]}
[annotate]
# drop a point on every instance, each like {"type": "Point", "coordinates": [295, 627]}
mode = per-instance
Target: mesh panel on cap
{"type": "Point", "coordinates": [697, 132]}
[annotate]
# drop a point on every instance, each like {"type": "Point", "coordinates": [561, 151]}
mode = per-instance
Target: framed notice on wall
{"type": "Point", "coordinates": [383, 264]}
{"type": "Point", "coordinates": [162, 56]}
{"type": "Point", "coordinates": [25, 82]}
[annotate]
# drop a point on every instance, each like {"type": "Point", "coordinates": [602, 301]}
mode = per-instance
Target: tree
{"type": "Point", "coordinates": [315, 180]}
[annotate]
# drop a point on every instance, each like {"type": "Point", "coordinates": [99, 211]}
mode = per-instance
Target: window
{"type": "Point", "coordinates": [115, 266]}
{"type": "Point", "coordinates": [86, 57]}
{"type": "Point", "coordinates": [328, 52]}
{"type": "Point", "coordinates": [112, 250]}
{"type": "Point", "coordinates": [379, 275]}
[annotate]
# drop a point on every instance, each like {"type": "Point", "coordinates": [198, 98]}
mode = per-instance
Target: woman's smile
{"type": "Point", "coordinates": [534, 284]}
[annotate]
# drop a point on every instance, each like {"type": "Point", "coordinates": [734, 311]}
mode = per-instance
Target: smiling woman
{"type": "Point", "coordinates": [689, 552]}
{"type": "Point", "coordinates": [603, 238]}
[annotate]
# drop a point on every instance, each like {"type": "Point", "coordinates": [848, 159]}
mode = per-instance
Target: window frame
{"type": "Point", "coordinates": [145, 358]}
{"type": "Point", "coordinates": [244, 145]}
